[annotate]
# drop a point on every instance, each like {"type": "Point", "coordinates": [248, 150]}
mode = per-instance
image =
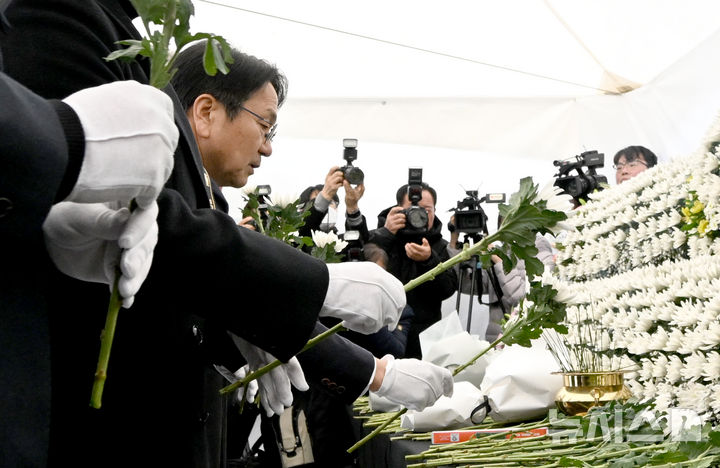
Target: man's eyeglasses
{"type": "Point", "coordinates": [271, 128]}
{"type": "Point", "coordinates": [630, 165]}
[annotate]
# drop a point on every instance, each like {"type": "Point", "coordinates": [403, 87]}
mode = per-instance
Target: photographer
{"type": "Point", "coordinates": [631, 161]}
{"type": "Point", "coordinates": [322, 201]}
{"type": "Point", "coordinates": [411, 253]}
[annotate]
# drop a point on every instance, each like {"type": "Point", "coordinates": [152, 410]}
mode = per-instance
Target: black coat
{"type": "Point", "coordinates": [34, 156]}
{"type": "Point", "coordinates": [207, 276]}
{"type": "Point", "coordinates": [426, 299]}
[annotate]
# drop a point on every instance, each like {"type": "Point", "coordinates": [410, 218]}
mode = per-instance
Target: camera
{"type": "Point", "coordinates": [354, 175]}
{"type": "Point", "coordinates": [416, 218]}
{"type": "Point", "coordinates": [354, 250]}
{"type": "Point", "coordinates": [470, 218]}
{"type": "Point", "coordinates": [262, 192]}
{"type": "Point", "coordinates": [580, 185]}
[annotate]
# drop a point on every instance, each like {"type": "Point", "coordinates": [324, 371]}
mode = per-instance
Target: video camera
{"type": "Point", "coordinates": [470, 218]}
{"type": "Point", "coordinates": [354, 175]}
{"type": "Point", "coordinates": [580, 185]}
{"type": "Point", "coordinates": [416, 218]}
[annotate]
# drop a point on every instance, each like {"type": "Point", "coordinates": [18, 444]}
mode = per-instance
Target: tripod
{"type": "Point", "coordinates": [471, 266]}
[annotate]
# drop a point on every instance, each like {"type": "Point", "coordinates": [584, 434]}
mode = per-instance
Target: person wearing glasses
{"type": "Point", "coordinates": [233, 120]}
{"type": "Point", "coordinates": [161, 405]}
{"type": "Point", "coordinates": [631, 161]}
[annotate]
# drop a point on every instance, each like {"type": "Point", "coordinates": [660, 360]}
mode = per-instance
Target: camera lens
{"type": "Point", "coordinates": [417, 217]}
{"type": "Point", "coordinates": [354, 175]}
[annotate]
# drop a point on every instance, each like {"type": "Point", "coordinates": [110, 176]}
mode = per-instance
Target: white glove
{"type": "Point", "coordinates": [250, 390]}
{"type": "Point", "coordinates": [130, 138]}
{"type": "Point", "coordinates": [84, 242]}
{"type": "Point", "coordinates": [275, 391]}
{"type": "Point", "coordinates": [364, 296]}
{"type": "Point", "coordinates": [414, 384]}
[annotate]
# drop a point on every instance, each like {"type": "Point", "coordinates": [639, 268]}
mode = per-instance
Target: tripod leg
{"type": "Point", "coordinates": [472, 292]}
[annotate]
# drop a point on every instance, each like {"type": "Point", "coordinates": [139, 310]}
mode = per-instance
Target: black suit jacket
{"type": "Point", "coordinates": [207, 274]}
{"type": "Point", "coordinates": [33, 161]}
{"type": "Point", "coordinates": [35, 169]}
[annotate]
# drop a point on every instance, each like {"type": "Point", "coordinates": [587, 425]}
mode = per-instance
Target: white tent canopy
{"type": "Point", "coordinates": [478, 93]}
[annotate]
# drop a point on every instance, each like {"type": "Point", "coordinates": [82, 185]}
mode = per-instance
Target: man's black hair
{"type": "Point", "coordinates": [402, 191]}
{"type": "Point", "coordinates": [246, 75]}
{"type": "Point", "coordinates": [633, 153]}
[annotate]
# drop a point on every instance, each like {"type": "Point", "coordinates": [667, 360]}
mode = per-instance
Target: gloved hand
{"type": "Point", "coordinates": [84, 242]}
{"type": "Point", "coordinates": [250, 390]}
{"type": "Point", "coordinates": [414, 384]}
{"type": "Point", "coordinates": [130, 138]}
{"type": "Point", "coordinates": [275, 390]}
{"type": "Point", "coordinates": [364, 296]}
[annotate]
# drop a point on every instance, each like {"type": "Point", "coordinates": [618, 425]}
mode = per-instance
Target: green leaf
{"type": "Point", "coordinates": [152, 10]}
{"type": "Point", "coordinates": [135, 47]}
{"type": "Point", "coordinates": [209, 59]}
{"type": "Point", "coordinates": [218, 59]}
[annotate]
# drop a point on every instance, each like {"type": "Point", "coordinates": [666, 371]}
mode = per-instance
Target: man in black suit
{"type": "Point", "coordinates": [49, 153]}
{"type": "Point", "coordinates": [207, 277]}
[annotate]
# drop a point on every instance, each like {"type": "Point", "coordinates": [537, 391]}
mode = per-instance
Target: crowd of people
{"type": "Point", "coordinates": [107, 179]}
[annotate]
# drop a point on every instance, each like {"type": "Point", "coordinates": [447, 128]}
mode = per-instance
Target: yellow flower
{"type": "Point", "coordinates": [697, 207]}
{"type": "Point", "coordinates": [702, 226]}
{"type": "Point", "coordinates": [686, 213]}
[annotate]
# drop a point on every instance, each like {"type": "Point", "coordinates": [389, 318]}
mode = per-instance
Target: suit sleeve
{"type": "Point", "coordinates": [33, 159]}
{"type": "Point", "coordinates": [338, 366]}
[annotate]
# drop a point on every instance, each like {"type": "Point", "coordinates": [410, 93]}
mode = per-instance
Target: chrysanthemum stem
{"type": "Point", "coordinates": [106, 341]}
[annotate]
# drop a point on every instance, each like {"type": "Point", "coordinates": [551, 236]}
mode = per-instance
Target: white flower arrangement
{"type": "Point", "coordinates": [322, 239]}
{"type": "Point", "coordinates": [642, 268]}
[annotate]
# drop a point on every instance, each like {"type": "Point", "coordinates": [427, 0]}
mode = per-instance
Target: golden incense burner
{"type": "Point", "coordinates": [584, 390]}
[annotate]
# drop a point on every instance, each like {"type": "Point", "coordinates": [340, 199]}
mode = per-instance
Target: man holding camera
{"type": "Point", "coordinates": [413, 249]}
{"type": "Point", "coordinates": [323, 201]}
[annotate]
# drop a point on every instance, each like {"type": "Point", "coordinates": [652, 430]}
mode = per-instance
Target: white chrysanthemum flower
{"type": "Point", "coordinates": [674, 369]}
{"type": "Point", "coordinates": [284, 199]}
{"type": "Point", "coordinates": [693, 396]}
{"type": "Point", "coordinates": [715, 398]}
{"type": "Point", "coordinates": [555, 198]}
{"type": "Point", "coordinates": [712, 306]}
{"type": "Point", "coordinates": [640, 345]}
{"type": "Point", "coordinates": [674, 341]}
{"type": "Point", "coordinates": [248, 189]}
{"type": "Point", "coordinates": [564, 293]}
{"type": "Point", "coordinates": [693, 369]}
{"type": "Point", "coordinates": [687, 313]}
{"type": "Point", "coordinates": [321, 239]}
{"type": "Point", "coordinates": [646, 369]}
{"type": "Point", "coordinates": [694, 340]}
{"type": "Point", "coordinates": [659, 339]}
{"type": "Point", "coordinates": [679, 238]}
{"type": "Point", "coordinates": [660, 365]}
{"type": "Point", "coordinates": [711, 368]}
{"type": "Point", "coordinates": [711, 334]}
{"type": "Point", "coordinates": [645, 391]}
{"type": "Point", "coordinates": [664, 397]}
